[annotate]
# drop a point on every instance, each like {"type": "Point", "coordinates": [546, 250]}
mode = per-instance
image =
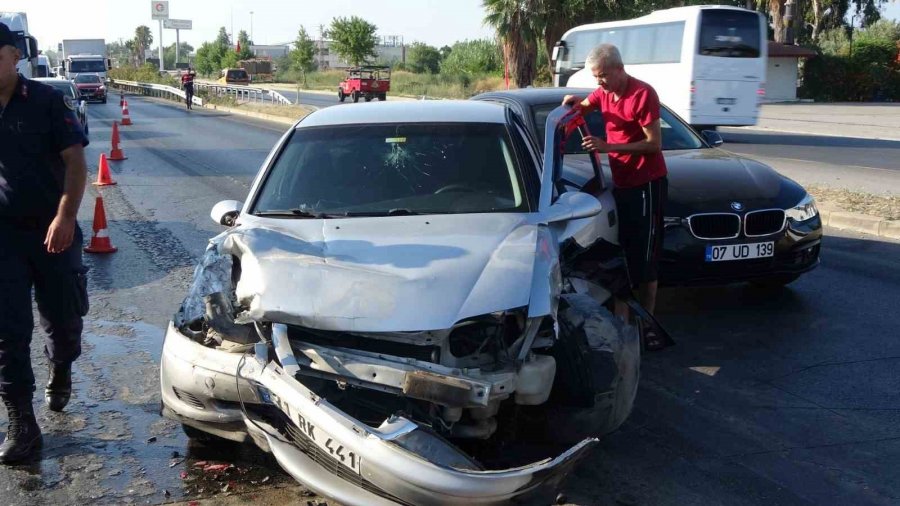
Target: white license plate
{"type": "Point", "coordinates": [716, 253]}
{"type": "Point", "coordinates": [321, 438]}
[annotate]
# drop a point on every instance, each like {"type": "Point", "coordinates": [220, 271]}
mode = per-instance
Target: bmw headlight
{"type": "Point", "coordinates": [804, 210]}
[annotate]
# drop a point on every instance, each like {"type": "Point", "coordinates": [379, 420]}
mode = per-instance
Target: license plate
{"type": "Point", "coordinates": [320, 438]}
{"type": "Point", "coordinates": [716, 253]}
{"type": "Point", "coordinates": [726, 101]}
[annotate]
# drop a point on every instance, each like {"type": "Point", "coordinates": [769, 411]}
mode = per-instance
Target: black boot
{"type": "Point", "coordinates": [23, 436]}
{"type": "Point", "coordinates": [59, 388]}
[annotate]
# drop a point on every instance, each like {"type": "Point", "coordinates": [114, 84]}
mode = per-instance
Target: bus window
{"type": "Point", "coordinates": [729, 33]}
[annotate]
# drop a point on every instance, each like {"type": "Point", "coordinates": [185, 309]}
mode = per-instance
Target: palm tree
{"type": "Point", "coordinates": [131, 47]}
{"type": "Point", "coordinates": [143, 38]}
{"type": "Point", "coordinates": [516, 24]}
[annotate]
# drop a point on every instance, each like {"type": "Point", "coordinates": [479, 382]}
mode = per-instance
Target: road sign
{"type": "Point", "coordinates": [178, 24]}
{"type": "Point", "coordinates": [159, 9]}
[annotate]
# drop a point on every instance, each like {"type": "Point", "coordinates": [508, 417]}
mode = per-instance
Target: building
{"type": "Point", "coordinates": [271, 51]}
{"type": "Point", "coordinates": [782, 71]}
{"type": "Point", "coordinates": [390, 49]}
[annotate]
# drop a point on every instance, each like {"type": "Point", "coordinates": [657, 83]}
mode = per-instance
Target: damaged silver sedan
{"type": "Point", "coordinates": [411, 307]}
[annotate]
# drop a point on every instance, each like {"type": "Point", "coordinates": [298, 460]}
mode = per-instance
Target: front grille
{"type": "Point", "coordinates": [715, 226]}
{"type": "Point", "coordinates": [766, 222]}
{"type": "Point", "coordinates": [302, 442]}
{"type": "Point", "coordinates": [188, 398]}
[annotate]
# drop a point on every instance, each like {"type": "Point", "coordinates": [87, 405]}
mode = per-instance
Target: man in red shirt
{"type": "Point", "coordinates": [630, 109]}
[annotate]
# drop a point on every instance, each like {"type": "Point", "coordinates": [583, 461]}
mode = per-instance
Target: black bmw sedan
{"type": "Point", "coordinates": [728, 218]}
{"type": "Point", "coordinates": [68, 89]}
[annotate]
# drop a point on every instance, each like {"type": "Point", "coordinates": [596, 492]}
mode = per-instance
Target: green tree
{"type": "Point", "coordinates": [169, 53]}
{"type": "Point", "coordinates": [473, 57]}
{"type": "Point", "coordinates": [304, 52]}
{"type": "Point", "coordinates": [244, 41]}
{"type": "Point", "coordinates": [422, 58]}
{"type": "Point", "coordinates": [445, 52]}
{"type": "Point", "coordinates": [353, 39]}
{"type": "Point", "coordinates": [518, 28]}
{"type": "Point", "coordinates": [143, 39]}
{"type": "Point", "coordinates": [206, 62]}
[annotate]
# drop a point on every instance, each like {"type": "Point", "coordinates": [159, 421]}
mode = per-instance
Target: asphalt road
{"type": "Point", "coordinates": [872, 166]}
{"type": "Point", "coordinates": [790, 397]}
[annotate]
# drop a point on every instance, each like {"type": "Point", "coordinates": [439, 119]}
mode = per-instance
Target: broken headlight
{"type": "Point", "coordinates": [804, 210]}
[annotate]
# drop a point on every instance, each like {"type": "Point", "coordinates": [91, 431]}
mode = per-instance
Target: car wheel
{"type": "Point", "coordinates": [368, 98]}
{"type": "Point", "coordinates": [104, 101]}
{"type": "Point", "coordinates": [355, 96]}
{"type": "Point", "coordinates": [775, 282]}
{"type": "Point", "coordinates": [382, 97]}
{"type": "Point", "coordinates": [341, 95]}
{"type": "Point", "coordinates": [200, 436]}
{"type": "Point", "coordinates": [86, 131]}
{"type": "Point", "coordinates": [597, 370]}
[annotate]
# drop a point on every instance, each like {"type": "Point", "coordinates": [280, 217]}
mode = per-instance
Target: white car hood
{"type": "Point", "coordinates": [407, 273]}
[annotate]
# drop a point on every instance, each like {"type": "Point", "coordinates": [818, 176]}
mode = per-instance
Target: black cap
{"type": "Point", "coordinates": [6, 36]}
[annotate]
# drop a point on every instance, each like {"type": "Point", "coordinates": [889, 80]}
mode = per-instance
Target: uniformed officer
{"type": "Point", "coordinates": [42, 180]}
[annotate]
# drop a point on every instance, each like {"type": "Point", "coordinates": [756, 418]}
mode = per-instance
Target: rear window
{"type": "Point", "coordinates": [237, 74]}
{"type": "Point", "coordinates": [729, 33]}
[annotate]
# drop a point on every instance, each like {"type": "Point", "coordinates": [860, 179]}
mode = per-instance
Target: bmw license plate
{"type": "Point", "coordinates": [717, 253]}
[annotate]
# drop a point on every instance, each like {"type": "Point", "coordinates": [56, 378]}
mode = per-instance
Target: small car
{"type": "Point", "coordinates": [409, 308]}
{"type": "Point", "coordinates": [728, 218]}
{"type": "Point", "coordinates": [68, 89]}
{"type": "Point", "coordinates": [367, 82]}
{"type": "Point", "coordinates": [235, 76]}
{"type": "Point", "coordinates": [91, 87]}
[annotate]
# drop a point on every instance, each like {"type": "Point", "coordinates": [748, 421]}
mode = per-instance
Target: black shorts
{"type": "Point", "coordinates": [640, 211]}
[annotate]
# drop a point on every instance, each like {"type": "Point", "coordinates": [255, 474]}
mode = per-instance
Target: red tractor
{"type": "Point", "coordinates": [366, 82]}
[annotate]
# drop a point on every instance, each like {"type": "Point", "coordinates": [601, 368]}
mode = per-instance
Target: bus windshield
{"type": "Point", "coordinates": [729, 33]}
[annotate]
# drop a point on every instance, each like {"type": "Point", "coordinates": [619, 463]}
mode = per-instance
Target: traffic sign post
{"type": "Point", "coordinates": [178, 25]}
{"type": "Point", "coordinates": [159, 10]}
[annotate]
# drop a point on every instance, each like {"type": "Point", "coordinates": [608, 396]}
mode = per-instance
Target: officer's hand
{"type": "Point", "coordinates": [60, 234]}
{"type": "Point", "coordinates": [595, 144]}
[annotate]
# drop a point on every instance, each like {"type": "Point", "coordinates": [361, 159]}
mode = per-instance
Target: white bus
{"type": "Point", "coordinates": [707, 63]}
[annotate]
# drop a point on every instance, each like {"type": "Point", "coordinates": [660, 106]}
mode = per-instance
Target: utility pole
{"type": "Point", "coordinates": [251, 27]}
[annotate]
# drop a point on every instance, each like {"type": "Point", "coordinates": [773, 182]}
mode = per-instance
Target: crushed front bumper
{"type": "Point", "coordinates": [327, 450]}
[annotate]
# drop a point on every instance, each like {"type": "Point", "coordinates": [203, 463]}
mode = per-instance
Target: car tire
{"type": "Point", "coordinates": [775, 282]}
{"type": "Point", "coordinates": [597, 371]}
{"type": "Point", "coordinates": [355, 96]}
{"type": "Point", "coordinates": [86, 130]}
{"type": "Point", "coordinates": [341, 96]}
{"type": "Point", "coordinates": [368, 98]}
{"type": "Point", "coordinates": [103, 101]}
{"type": "Point", "coordinates": [382, 97]}
{"type": "Point", "coordinates": [195, 434]}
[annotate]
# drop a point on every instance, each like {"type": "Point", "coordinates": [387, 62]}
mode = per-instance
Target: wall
{"type": "Point", "coordinates": [781, 79]}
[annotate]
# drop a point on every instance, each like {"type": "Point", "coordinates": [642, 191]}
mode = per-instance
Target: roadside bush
{"type": "Point", "coordinates": [145, 74]}
{"type": "Point", "coordinates": [473, 57]}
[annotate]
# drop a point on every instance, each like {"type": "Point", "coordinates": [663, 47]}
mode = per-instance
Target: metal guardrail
{"type": "Point", "coordinates": [240, 93]}
{"type": "Point", "coordinates": [154, 90]}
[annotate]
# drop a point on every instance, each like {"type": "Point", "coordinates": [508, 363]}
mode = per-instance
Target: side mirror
{"type": "Point", "coordinates": [572, 206]}
{"type": "Point", "coordinates": [713, 138]}
{"type": "Point", "coordinates": [32, 47]}
{"type": "Point", "coordinates": [226, 212]}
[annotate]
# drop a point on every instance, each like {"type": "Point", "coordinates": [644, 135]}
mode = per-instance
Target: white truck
{"type": "Point", "coordinates": [18, 24]}
{"type": "Point", "coordinates": [84, 56]}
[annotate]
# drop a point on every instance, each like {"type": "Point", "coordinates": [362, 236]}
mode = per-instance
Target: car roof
{"type": "Point", "coordinates": [411, 111]}
{"type": "Point", "coordinates": [51, 80]}
{"type": "Point", "coordinates": [534, 96]}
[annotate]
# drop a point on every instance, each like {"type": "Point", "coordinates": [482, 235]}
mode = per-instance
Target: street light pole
{"type": "Point", "coordinates": [251, 26]}
{"type": "Point", "coordinates": [852, 24]}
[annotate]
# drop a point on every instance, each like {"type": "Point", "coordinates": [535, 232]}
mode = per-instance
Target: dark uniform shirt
{"type": "Point", "coordinates": [37, 124]}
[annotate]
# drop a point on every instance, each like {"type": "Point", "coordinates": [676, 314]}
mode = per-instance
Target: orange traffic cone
{"type": "Point", "coordinates": [126, 119]}
{"type": "Point", "coordinates": [100, 242]}
{"type": "Point", "coordinates": [116, 152]}
{"type": "Point", "coordinates": [103, 176]}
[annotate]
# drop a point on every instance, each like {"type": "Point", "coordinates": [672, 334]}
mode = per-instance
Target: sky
{"type": "Point", "coordinates": [435, 22]}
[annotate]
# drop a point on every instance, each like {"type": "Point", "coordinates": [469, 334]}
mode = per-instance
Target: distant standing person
{"type": "Point", "coordinates": [630, 109]}
{"type": "Point", "coordinates": [42, 180]}
{"type": "Point", "coordinates": [187, 82]}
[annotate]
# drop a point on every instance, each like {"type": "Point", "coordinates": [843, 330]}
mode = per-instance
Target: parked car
{"type": "Point", "coordinates": [398, 312]}
{"type": "Point", "coordinates": [366, 82]}
{"type": "Point", "coordinates": [728, 218]}
{"type": "Point", "coordinates": [68, 90]}
{"type": "Point", "coordinates": [91, 87]}
{"type": "Point", "coordinates": [235, 76]}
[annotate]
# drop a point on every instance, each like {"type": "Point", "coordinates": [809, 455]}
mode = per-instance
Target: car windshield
{"type": "Point", "coordinates": [675, 133]}
{"type": "Point", "coordinates": [65, 88]}
{"type": "Point", "coordinates": [87, 66]}
{"type": "Point", "coordinates": [394, 169]}
{"type": "Point", "coordinates": [87, 78]}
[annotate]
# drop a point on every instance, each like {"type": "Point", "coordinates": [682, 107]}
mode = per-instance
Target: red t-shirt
{"type": "Point", "coordinates": [636, 108]}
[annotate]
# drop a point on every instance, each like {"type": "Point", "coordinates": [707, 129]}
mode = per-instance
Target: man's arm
{"type": "Point", "coordinates": [575, 101]}
{"type": "Point", "coordinates": [651, 143]}
{"type": "Point", "coordinates": [62, 229]}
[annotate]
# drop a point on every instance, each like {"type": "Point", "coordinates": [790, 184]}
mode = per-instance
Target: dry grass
{"type": "Point", "coordinates": [883, 206]}
{"type": "Point", "coordinates": [287, 111]}
{"type": "Point", "coordinates": [408, 83]}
